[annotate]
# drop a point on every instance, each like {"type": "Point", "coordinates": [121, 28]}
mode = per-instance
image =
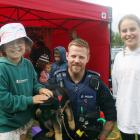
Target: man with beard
{"type": "Point", "coordinates": [87, 93]}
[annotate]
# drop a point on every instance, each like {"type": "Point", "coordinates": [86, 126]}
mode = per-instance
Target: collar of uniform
{"type": "Point", "coordinates": [68, 76]}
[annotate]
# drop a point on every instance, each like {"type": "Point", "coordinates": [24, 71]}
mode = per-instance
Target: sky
{"type": "Point", "coordinates": [119, 9]}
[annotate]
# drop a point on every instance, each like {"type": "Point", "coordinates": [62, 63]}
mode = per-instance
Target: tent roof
{"type": "Point", "coordinates": [51, 13]}
{"type": "Point", "coordinates": [59, 21]}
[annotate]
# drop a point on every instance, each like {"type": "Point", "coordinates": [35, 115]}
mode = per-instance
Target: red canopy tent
{"type": "Point", "coordinates": [61, 20]}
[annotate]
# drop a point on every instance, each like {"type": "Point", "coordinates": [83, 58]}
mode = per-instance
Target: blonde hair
{"type": "Point", "coordinates": [79, 42]}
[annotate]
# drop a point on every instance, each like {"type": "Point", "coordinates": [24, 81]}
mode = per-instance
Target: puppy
{"type": "Point", "coordinates": [52, 114]}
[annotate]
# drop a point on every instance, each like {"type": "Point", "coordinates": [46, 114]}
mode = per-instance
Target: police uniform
{"type": "Point", "coordinates": [88, 97]}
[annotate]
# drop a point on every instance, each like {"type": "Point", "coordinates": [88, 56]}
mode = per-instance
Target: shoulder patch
{"type": "Point", "coordinates": [90, 72]}
{"type": "Point", "coordinates": [94, 79]}
{"type": "Point", "coordinates": [59, 75]}
{"type": "Point", "coordinates": [60, 71]}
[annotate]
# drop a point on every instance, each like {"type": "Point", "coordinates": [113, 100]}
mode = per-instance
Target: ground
{"type": "Point", "coordinates": [111, 136]}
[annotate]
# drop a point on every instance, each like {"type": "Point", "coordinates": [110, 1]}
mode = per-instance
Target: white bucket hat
{"type": "Point", "coordinates": [12, 31]}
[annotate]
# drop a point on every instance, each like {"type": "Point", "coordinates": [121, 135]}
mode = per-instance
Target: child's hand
{"type": "Point", "coordinates": [38, 99]}
{"type": "Point", "coordinates": [46, 92]}
{"type": "Point", "coordinates": [44, 95]}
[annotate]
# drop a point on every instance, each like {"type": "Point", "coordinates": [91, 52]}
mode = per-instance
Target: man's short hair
{"type": "Point", "coordinates": [79, 42]}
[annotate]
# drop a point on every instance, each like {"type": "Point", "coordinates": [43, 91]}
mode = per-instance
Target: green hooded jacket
{"type": "Point", "coordinates": [18, 83]}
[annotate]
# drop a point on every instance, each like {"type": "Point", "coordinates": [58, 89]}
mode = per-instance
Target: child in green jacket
{"type": "Point", "coordinates": [18, 82]}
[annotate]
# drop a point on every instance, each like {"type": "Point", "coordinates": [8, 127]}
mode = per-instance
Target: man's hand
{"type": "Point", "coordinates": [108, 127]}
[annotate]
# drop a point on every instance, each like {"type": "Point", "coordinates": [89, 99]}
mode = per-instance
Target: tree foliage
{"type": "Point", "coordinates": [116, 40]}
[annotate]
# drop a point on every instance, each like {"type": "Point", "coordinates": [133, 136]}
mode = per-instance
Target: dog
{"type": "Point", "coordinates": [53, 113]}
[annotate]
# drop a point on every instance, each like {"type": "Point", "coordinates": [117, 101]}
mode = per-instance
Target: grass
{"type": "Point", "coordinates": [115, 133]}
{"type": "Point", "coordinates": [116, 130]}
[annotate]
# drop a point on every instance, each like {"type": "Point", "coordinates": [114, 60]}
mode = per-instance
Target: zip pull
{"type": "Point", "coordinates": [81, 110]}
{"type": "Point", "coordinates": [81, 117]}
{"type": "Point", "coordinates": [59, 97]}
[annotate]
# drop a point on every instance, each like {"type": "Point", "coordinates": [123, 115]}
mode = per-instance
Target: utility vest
{"type": "Point", "coordinates": [83, 96]}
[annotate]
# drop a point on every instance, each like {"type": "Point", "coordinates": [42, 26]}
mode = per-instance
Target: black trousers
{"type": "Point", "coordinates": [126, 136]}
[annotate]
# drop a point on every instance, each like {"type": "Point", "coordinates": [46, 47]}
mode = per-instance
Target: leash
{"type": "Point", "coordinates": [60, 117]}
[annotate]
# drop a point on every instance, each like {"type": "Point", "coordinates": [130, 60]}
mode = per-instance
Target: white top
{"type": "Point", "coordinates": [126, 90]}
